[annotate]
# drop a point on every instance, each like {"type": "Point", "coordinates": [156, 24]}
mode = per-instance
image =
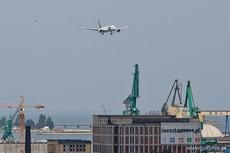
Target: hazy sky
{"type": "Point", "coordinates": [47, 58]}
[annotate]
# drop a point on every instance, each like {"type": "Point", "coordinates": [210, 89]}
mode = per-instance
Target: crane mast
{"type": "Point", "coordinates": [130, 101]}
{"type": "Point", "coordinates": [173, 109]}
{"type": "Point", "coordinates": [189, 102]}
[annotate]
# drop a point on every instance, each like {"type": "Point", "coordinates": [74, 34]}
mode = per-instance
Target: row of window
{"type": "Point", "coordinates": [73, 148]}
{"type": "Point", "coordinates": [106, 121]}
{"type": "Point", "coordinates": [127, 139]}
{"type": "Point", "coordinates": [127, 130]}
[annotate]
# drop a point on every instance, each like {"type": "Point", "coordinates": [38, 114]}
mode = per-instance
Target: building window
{"type": "Point", "coordinates": [146, 148]}
{"type": "Point", "coordinates": [146, 140]}
{"type": "Point", "coordinates": [115, 130]}
{"type": "Point", "coordinates": [126, 130]}
{"type": "Point", "coordinates": [142, 140]}
{"type": "Point", "coordinates": [131, 148]}
{"type": "Point", "coordinates": [115, 140]}
{"type": "Point", "coordinates": [155, 140]}
{"type": "Point", "coordinates": [155, 131]}
{"type": "Point", "coordinates": [146, 130]}
{"type": "Point", "coordinates": [136, 149]}
{"type": "Point", "coordinates": [74, 148]}
{"type": "Point", "coordinates": [150, 140]}
{"type": "Point", "coordinates": [83, 148]}
{"type": "Point", "coordinates": [136, 140]}
{"type": "Point", "coordinates": [151, 131]}
{"type": "Point", "coordinates": [132, 140]}
{"type": "Point", "coordinates": [126, 140]}
{"type": "Point", "coordinates": [131, 130]}
{"type": "Point", "coordinates": [136, 130]}
{"type": "Point", "coordinates": [65, 148]}
{"type": "Point", "coordinates": [141, 130]}
{"type": "Point", "coordinates": [70, 148]}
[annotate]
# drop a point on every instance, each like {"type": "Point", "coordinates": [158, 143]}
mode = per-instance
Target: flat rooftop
{"type": "Point", "coordinates": [140, 119]}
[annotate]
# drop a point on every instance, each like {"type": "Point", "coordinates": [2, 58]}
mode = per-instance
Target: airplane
{"type": "Point", "coordinates": [104, 29]}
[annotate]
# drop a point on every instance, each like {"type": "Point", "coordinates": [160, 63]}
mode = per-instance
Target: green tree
{"type": "Point", "coordinates": [2, 121]}
{"type": "Point", "coordinates": [164, 151]}
{"type": "Point", "coordinates": [17, 121]}
{"type": "Point", "coordinates": [49, 123]}
{"type": "Point", "coordinates": [41, 121]}
{"type": "Point", "coordinates": [30, 122]}
{"type": "Point", "coordinates": [167, 151]}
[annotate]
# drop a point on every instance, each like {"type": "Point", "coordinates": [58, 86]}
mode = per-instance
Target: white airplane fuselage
{"type": "Point", "coordinates": [106, 29]}
{"type": "Point", "coordinates": [111, 29]}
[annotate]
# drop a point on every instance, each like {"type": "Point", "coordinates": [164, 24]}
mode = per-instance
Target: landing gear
{"type": "Point", "coordinates": [102, 33]}
{"type": "Point", "coordinates": [111, 33]}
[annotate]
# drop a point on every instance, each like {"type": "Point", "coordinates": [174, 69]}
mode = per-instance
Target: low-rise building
{"type": "Point", "coordinates": [69, 145]}
{"type": "Point", "coordinates": [39, 146]}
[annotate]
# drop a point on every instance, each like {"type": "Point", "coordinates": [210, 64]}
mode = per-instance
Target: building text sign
{"type": "Point", "coordinates": [180, 133]}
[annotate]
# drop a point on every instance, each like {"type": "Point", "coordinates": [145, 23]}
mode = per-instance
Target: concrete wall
{"type": "Point", "coordinates": [18, 147]}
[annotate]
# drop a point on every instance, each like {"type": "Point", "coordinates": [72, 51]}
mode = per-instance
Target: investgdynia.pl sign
{"type": "Point", "coordinates": [180, 133]}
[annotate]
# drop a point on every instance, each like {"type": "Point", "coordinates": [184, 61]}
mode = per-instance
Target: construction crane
{"type": "Point", "coordinates": [195, 112]}
{"type": "Point", "coordinates": [130, 102]}
{"type": "Point", "coordinates": [189, 101]}
{"type": "Point", "coordinates": [173, 109]}
{"type": "Point", "coordinates": [104, 109]}
{"type": "Point", "coordinates": [9, 124]}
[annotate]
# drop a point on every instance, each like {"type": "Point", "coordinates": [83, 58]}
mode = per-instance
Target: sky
{"type": "Point", "coordinates": [47, 58]}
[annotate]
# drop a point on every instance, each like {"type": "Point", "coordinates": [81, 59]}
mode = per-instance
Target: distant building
{"type": "Point", "coordinates": [69, 145]}
{"type": "Point", "coordinates": [39, 146]}
{"type": "Point", "coordinates": [145, 134]}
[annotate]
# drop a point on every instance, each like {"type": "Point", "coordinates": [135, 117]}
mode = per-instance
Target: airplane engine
{"type": "Point", "coordinates": [99, 31]}
{"type": "Point", "coordinates": [118, 30]}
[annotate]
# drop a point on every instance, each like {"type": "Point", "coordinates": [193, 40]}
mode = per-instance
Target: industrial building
{"type": "Point", "coordinates": [19, 147]}
{"type": "Point", "coordinates": [145, 134]}
{"type": "Point", "coordinates": [48, 146]}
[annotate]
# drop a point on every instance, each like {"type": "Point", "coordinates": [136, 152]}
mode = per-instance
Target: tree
{"type": "Point", "coordinates": [2, 121]}
{"type": "Point", "coordinates": [41, 121]}
{"type": "Point", "coordinates": [49, 123]}
{"type": "Point", "coordinates": [167, 151]}
{"type": "Point", "coordinates": [164, 151]}
{"type": "Point", "coordinates": [30, 122]}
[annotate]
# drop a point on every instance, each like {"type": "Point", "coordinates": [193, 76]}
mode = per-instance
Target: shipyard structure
{"type": "Point", "coordinates": [177, 128]}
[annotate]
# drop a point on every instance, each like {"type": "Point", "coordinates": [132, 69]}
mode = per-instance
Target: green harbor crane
{"type": "Point", "coordinates": [189, 102]}
{"type": "Point", "coordinates": [130, 102]}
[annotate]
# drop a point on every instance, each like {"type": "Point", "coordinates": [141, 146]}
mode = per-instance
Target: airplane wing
{"type": "Point", "coordinates": [123, 27]}
{"type": "Point", "coordinates": [93, 29]}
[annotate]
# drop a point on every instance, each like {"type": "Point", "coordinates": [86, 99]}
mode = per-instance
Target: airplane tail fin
{"type": "Point", "coordinates": [99, 23]}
